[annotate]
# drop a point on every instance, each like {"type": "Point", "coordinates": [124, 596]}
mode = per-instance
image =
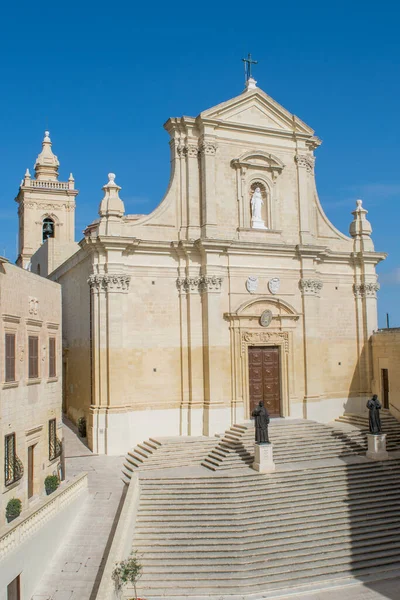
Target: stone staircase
{"type": "Point", "coordinates": [390, 425]}
{"type": "Point", "coordinates": [226, 534]}
{"type": "Point", "coordinates": [295, 441]}
{"type": "Point", "coordinates": [164, 452]}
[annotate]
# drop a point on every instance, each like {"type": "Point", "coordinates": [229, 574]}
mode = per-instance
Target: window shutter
{"type": "Point", "coordinates": [10, 357]}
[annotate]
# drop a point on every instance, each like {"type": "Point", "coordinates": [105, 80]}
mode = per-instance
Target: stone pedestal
{"type": "Point", "coordinates": [263, 458]}
{"type": "Point", "coordinates": [377, 446]}
{"type": "Point", "coordinates": [258, 224]}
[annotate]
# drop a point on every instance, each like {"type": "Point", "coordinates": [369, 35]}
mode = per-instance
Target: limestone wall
{"type": "Point", "coordinates": [76, 339]}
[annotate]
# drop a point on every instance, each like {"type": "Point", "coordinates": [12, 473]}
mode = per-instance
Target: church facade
{"type": "Point", "coordinates": [235, 289]}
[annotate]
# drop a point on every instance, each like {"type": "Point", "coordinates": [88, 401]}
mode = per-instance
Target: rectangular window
{"type": "Point", "coordinates": [10, 356]}
{"type": "Point", "coordinates": [52, 357]}
{"type": "Point", "coordinates": [33, 372]}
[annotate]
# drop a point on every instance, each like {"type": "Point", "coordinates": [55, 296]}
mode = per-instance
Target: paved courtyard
{"type": "Point", "coordinates": [76, 569]}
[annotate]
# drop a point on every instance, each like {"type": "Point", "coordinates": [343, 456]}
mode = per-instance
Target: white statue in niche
{"type": "Point", "coordinates": [257, 202]}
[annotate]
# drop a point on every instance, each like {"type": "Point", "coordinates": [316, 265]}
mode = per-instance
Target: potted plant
{"type": "Point", "coordinates": [51, 483]}
{"type": "Point", "coordinates": [128, 571]}
{"type": "Point", "coordinates": [13, 509]}
{"type": "Point", "coordinates": [82, 427]}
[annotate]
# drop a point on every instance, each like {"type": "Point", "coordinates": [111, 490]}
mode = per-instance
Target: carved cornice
{"type": "Point", "coordinates": [310, 287]}
{"type": "Point", "coordinates": [305, 161]}
{"type": "Point", "coordinates": [109, 283]}
{"type": "Point", "coordinates": [204, 283]}
{"type": "Point", "coordinates": [250, 338]}
{"type": "Point", "coordinates": [366, 290]}
{"type": "Point", "coordinates": [67, 206]}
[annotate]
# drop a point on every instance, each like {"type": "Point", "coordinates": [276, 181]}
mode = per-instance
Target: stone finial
{"type": "Point", "coordinates": [27, 174]}
{"type": "Point", "coordinates": [251, 84]}
{"type": "Point", "coordinates": [360, 228]}
{"type": "Point", "coordinates": [46, 165]}
{"type": "Point", "coordinates": [111, 205]}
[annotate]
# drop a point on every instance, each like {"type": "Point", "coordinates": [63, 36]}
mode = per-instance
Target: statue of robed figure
{"type": "Point", "coordinates": [374, 406]}
{"type": "Point", "coordinates": [261, 418]}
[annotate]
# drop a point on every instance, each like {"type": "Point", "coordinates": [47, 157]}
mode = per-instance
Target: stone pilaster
{"type": "Point", "coordinates": [365, 295]}
{"type": "Point", "coordinates": [311, 290]}
{"type": "Point", "coordinates": [214, 401]}
{"type": "Point", "coordinates": [191, 154]}
{"type": "Point", "coordinates": [208, 150]}
{"type": "Point", "coordinates": [107, 298]}
{"type": "Point", "coordinates": [193, 396]}
{"type": "Point", "coordinates": [305, 173]}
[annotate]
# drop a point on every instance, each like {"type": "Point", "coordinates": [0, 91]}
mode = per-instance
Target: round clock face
{"type": "Point", "coordinates": [266, 318]}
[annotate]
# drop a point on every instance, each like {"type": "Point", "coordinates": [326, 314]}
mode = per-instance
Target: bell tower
{"type": "Point", "coordinates": [46, 206]}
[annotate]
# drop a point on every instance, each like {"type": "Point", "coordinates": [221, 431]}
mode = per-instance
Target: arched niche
{"type": "Point", "coordinates": [257, 169]}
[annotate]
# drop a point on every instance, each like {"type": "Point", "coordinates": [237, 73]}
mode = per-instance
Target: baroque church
{"type": "Point", "coordinates": [235, 289]}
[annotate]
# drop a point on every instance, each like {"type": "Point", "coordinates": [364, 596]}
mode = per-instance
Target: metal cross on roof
{"type": "Point", "coordinates": [247, 66]}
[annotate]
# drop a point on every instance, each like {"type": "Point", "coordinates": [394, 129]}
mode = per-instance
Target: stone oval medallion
{"type": "Point", "coordinates": [252, 284]}
{"type": "Point", "coordinates": [266, 318]}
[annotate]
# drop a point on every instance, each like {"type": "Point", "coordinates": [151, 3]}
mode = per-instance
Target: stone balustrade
{"type": "Point", "coordinates": [49, 185]}
{"type": "Point", "coordinates": [25, 526]}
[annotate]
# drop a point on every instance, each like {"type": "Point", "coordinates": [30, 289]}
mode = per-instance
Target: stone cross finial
{"type": "Point", "coordinates": [247, 68]}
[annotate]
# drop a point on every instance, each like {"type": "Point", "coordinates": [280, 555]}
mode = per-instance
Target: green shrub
{"type": "Point", "coordinates": [82, 427]}
{"type": "Point", "coordinates": [128, 571]}
{"type": "Point", "coordinates": [13, 509]}
{"type": "Point", "coordinates": [51, 483]}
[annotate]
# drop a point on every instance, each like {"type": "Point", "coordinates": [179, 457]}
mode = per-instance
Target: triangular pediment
{"type": "Point", "coordinates": [256, 109]}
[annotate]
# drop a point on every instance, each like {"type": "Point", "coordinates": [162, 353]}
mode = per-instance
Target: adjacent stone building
{"type": "Point", "coordinates": [30, 407]}
{"type": "Point", "coordinates": [235, 289]}
{"type": "Point", "coordinates": [386, 374]}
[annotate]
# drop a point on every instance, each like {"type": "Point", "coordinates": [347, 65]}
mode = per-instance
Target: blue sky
{"type": "Point", "coordinates": [104, 79]}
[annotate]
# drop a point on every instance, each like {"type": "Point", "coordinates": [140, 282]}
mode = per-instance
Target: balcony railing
{"type": "Point", "coordinates": [55, 448]}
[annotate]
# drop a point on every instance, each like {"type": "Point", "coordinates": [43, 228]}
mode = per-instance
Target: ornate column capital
{"type": "Point", "coordinates": [109, 282]}
{"type": "Point", "coordinates": [208, 148]}
{"type": "Point", "coordinates": [204, 283]}
{"type": "Point", "coordinates": [191, 150]}
{"type": "Point", "coordinates": [366, 290]}
{"type": "Point", "coordinates": [210, 283]}
{"type": "Point", "coordinates": [305, 161]}
{"type": "Point", "coordinates": [188, 284]}
{"type": "Point", "coordinates": [310, 287]}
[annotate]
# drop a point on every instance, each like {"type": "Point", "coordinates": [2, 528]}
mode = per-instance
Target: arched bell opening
{"type": "Point", "coordinates": [48, 229]}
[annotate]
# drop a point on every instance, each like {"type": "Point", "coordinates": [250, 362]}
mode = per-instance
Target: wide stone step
{"type": "Point", "coordinates": [180, 590]}
{"type": "Point", "coordinates": [363, 536]}
{"type": "Point", "coordinates": [231, 510]}
{"type": "Point", "coordinates": [276, 573]}
{"type": "Point", "coordinates": [257, 544]}
{"type": "Point", "coordinates": [274, 562]}
{"type": "Point", "coordinates": [307, 489]}
{"type": "Point", "coordinates": [343, 519]}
